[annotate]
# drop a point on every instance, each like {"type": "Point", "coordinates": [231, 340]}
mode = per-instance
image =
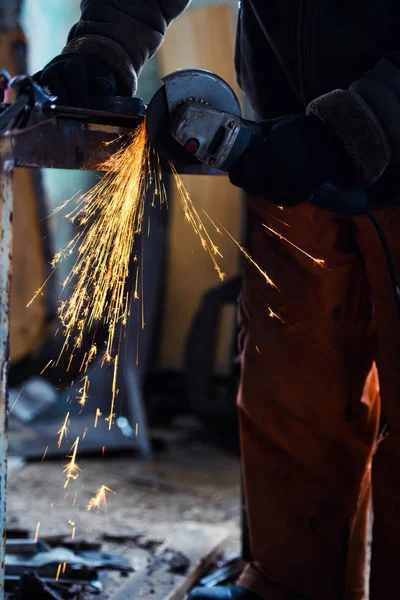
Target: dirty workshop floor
{"type": "Point", "coordinates": [188, 484]}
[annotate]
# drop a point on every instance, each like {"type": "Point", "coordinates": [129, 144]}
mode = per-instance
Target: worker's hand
{"type": "Point", "coordinates": [75, 78]}
{"type": "Point", "coordinates": [295, 158]}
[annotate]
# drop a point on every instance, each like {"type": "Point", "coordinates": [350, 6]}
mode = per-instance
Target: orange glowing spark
{"type": "Point", "coordinates": [15, 401]}
{"type": "Point", "coordinates": [258, 350]}
{"type": "Point", "coordinates": [318, 261]}
{"type": "Point", "coordinates": [46, 367]}
{"type": "Point", "coordinates": [103, 450]}
{"type": "Point", "coordinates": [71, 469]}
{"type": "Point", "coordinates": [136, 293]}
{"type": "Point", "coordinates": [58, 572]}
{"type": "Point", "coordinates": [273, 315]}
{"type": "Point", "coordinates": [88, 357]}
{"type": "Point", "coordinates": [73, 529]}
{"type": "Point", "coordinates": [100, 499]}
{"type": "Point", "coordinates": [37, 532]}
{"type": "Point", "coordinates": [110, 418]}
{"type": "Point", "coordinates": [109, 217]}
{"type": "Point", "coordinates": [63, 432]}
{"type": "Point", "coordinates": [96, 419]}
{"type": "Point", "coordinates": [84, 433]}
{"type": "Point", "coordinates": [83, 391]}
{"type": "Point", "coordinates": [39, 292]}
{"type": "Point", "coordinates": [64, 567]}
{"type": "Point", "coordinates": [44, 454]}
{"type": "Point", "coordinates": [244, 252]}
{"type": "Point", "coordinates": [194, 220]}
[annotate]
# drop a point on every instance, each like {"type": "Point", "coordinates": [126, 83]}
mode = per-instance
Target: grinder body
{"type": "Point", "coordinates": [213, 136]}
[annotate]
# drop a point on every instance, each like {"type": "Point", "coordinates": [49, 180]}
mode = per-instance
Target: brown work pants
{"type": "Point", "coordinates": [310, 405]}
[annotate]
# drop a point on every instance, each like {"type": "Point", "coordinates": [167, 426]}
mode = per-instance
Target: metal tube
{"type": "Point", "coordinates": [6, 208]}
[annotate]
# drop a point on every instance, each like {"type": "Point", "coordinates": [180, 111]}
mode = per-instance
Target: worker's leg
{"type": "Point", "coordinates": [308, 410]}
{"type": "Point", "coordinates": [385, 580]}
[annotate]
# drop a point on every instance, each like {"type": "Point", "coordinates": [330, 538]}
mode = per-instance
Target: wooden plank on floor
{"type": "Point", "coordinates": [199, 543]}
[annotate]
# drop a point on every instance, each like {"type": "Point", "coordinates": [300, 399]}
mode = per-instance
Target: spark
{"type": "Point", "coordinates": [73, 528]}
{"type": "Point", "coordinates": [110, 418]}
{"type": "Point", "coordinates": [100, 499]}
{"type": "Point", "coordinates": [64, 567]}
{"type": "Point", "coordinates": [39, 291]}
{"type": "Point", "coordinates": [74, 502]}
{"type": "Point", "coordinates": [37, 532]}
{"type": "Point", "coordinates": [83, 391]}
{"type": "Point", "coordinates": [58, 572]}
{"type": "Point", "coordinates": [15, 401]}
{"type": "Point", "coordinates": [44, 454]}
{"type": "Point", "coordinates": [318, 261]}
{"type": "Point", "coordinates": [71, 469]}
{"type": "Point", "coordinates": [96, 419]}
{"type": "Point", "coordinates": [258, 350]}
{"type": "Point", "coordinates": [273, 315]}
{"type": "Point", "coordinates": [195, 221]}
{"type": "Point", "coordinates": [103, 450]}
{"type": "Point", "coordinates": [244, 252]}
{"type": "Point", "coordinates": [89, 356]}
{"type": "Point", "coordinates": [109, 218]}
{"type": "Point", "coordinates": [46, 367]}
{"type": "Point", "coordinates": [63, 432]}
{"type": "Point", "coordinates": [137, 429]}
{"type": "Point", "coordinates": [85, 432]}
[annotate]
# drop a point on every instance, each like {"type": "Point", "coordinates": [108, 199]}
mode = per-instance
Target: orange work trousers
{"type": "Point", "coordinates": [310, 405]}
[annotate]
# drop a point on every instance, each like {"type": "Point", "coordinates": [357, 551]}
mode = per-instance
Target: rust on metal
{"type": "Point", "coordinates": [6, 208]}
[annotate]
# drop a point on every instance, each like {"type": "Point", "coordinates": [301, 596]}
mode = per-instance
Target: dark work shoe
{"type": "Point", "coordinates": [223, 592]}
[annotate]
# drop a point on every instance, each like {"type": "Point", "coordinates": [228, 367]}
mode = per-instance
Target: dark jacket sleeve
{"type": "Point", "coordinates": [124, 33]}
{"type": "Point", "coordinates": [366, 118]}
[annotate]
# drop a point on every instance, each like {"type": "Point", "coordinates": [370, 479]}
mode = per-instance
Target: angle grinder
{"type": "Point", "coordinates": [196, 117]}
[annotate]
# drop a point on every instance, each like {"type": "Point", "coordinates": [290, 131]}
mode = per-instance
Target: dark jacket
{"type": "Point", "coordinates": [291, 56]}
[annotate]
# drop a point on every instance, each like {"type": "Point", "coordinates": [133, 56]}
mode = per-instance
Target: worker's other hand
{"type": "Point", "coordinates": [76, 78]}
{"type": "Point", "coordinates": [295, 158]}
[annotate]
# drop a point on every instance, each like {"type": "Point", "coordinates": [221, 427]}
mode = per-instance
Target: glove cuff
{"type": "Point", "coordinates": [112, 54]}
{"type": "Point", "coordinates": [359, 131]}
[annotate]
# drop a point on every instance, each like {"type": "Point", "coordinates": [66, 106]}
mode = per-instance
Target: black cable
{"type": "Point", "coordinates": [389, 258]}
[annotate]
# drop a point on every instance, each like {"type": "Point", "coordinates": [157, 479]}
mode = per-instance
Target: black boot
{"type": "Point", "coordinates": [223, 592]}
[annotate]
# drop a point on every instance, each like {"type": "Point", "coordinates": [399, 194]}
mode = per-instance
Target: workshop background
{"type": "Point", "coordinates": [172, 457]}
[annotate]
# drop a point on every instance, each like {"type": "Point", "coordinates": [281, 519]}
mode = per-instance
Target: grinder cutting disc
{"type": "Point", "coordinates": [179, 87]}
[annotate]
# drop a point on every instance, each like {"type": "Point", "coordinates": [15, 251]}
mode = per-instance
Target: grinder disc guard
{"type": "Point", "coordinates": [158, 122]}
{"type": "Point", "coordinates": [179, 87]}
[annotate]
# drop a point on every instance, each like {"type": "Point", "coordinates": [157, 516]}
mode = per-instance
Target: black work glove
{"type": "Point", "coordinates": [295, 158]}
{"type": "Point", "coordinates": [75, 78]}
